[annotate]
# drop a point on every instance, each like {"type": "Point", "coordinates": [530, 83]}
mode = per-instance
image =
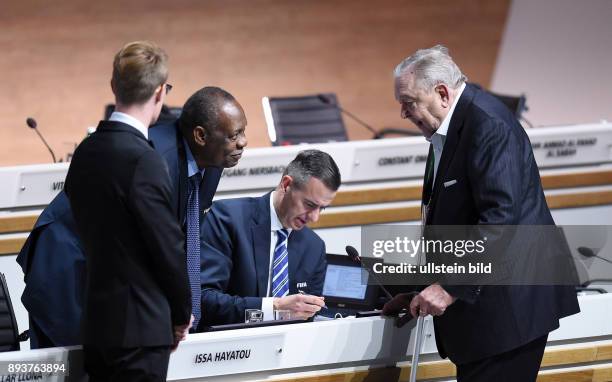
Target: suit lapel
{"type": "Point", "coordinates": [260, 231]}
{"type": "Point", "coordinates": [212, 175]}
{"type": "Point", "coordinates": [452, 137]}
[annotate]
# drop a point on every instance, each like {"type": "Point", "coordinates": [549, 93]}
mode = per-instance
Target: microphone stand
{"type": "Point", "coordinates": [31, 122]}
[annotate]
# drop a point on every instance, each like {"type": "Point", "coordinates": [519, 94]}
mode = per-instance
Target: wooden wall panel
{"type": "Point", "coordinates": [56, 56]}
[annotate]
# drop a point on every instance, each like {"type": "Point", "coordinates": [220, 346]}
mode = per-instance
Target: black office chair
{"type": "Point", "coordinates": [306, 119]}
{"type": "Point", "coordinates": [516, 104]}
{"type": "Point", "coordinates": [9, 334]}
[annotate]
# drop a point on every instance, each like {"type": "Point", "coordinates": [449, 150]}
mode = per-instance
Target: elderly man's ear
{"type": "Point", "coordinates": [443, 93]}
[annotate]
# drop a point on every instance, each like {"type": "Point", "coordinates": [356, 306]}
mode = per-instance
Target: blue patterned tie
{"type": "Point", "coordinates": [193, 245]}
{"type": "Point", "coordinates": [280, 266]}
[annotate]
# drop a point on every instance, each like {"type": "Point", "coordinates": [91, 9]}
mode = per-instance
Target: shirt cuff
{"type": "Point", "coordinates": [267, 307]}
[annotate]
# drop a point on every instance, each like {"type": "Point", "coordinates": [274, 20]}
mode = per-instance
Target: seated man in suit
{"type": "Point", "coordinates": [259, 254]}
{"type": "Point", "coordinates": [208, 137]}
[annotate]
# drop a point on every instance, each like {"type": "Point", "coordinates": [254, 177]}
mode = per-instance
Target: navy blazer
{"type": "Point", "coordinates": [168, 142]}
{"type": "Point", "coordinates": [52, 254]}
{"type": "Point", "coordinates": [54, 267]}
{"type": "Point", "coordinates": [488, 155]}
{"type": "Point", "coordinates": [236, 259]}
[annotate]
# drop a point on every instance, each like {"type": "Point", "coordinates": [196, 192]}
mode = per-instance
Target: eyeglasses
{"type": "Point", "coordinates": [168, 88]}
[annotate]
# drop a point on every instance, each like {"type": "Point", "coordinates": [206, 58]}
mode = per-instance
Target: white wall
{"type": "Point", "coordinates": [558, 52]}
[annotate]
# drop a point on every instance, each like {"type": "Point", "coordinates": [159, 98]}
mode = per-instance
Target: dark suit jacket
{"type": "Point", "coordinates": [54, 267]}
{"type": "Point", "coordinates": [53, 252]}
{"type": "Point", "coordinates": [489, 154]}
{"type": "Point", "coordinates": [168, 142]}
{"type": "Point", "coordinates": [136, 285]}
{"type": "Point", "coordinates": [236, 259]}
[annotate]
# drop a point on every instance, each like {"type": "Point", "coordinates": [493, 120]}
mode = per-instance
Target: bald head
{"type": "Point", "coordinates": [213, 123]}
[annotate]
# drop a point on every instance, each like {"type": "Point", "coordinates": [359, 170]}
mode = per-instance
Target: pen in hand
{"type": "Point", "coordinates": [302, 292]}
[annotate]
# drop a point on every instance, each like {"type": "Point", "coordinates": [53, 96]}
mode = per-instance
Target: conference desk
{"type": "Point", "coordinates": [366, 164]}
{"type": "Point", "coordinates": [351, 349]}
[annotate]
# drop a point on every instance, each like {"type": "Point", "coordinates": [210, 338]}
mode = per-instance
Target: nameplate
{"type": "Point", "coordinates": [405, 160]}
{"type": "Point", "coordinates": [220, 357]}
{"type": "Point", "coordinates": [258, 169]}
{"type": "Point", "coordinates": [563, 150]}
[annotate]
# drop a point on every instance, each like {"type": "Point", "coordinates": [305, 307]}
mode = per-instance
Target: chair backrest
{"type": "Point", "coordinates": [516, 104]}
{"type": "Point", "coordinates": [9, 334]}
{"type": "Point", "coordinates": [306, 119]}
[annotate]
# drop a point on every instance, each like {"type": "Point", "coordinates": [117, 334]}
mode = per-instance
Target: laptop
{"type": "Point", "coordinates": [346, 288]}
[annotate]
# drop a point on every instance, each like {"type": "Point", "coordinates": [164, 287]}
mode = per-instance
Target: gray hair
{"type": "Point", "coordinates": [317, 164]}
{"type": "Point", "coordinates": [431, 67]}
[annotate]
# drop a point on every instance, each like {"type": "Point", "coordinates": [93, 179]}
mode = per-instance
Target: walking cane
{"type": "Point", "coordinates": [416, 351]}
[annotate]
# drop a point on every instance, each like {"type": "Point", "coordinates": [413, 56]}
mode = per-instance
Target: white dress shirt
{"type": "Point", "coordinates": [267, 303]}
{"type": "Point", "coordinates": [439, 137]}
{"type": "Point", "coordinates": [192, 166]}
{"type": "Point", "coordinates": [118, 116]}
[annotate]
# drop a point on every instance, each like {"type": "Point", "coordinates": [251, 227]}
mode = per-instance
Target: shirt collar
{"type": "Point", "coordinates": [443, 129]}
{"type": "Point", "coordinates": [118, 116]}
{"type": "Point", "coordinates": [275, 223]}
{"type": "Point", "coordinates": [192, 166]}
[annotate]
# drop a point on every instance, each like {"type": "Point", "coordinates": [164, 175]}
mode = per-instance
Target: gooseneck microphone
{"type": "Point", "coordinates": [354, 256]}
{"type": "Point", "coordinates": [328, 101]}
{"type": "Point", "coordinates": [589, 252]}
{"type": "Point", "coordinates": [31, 122]}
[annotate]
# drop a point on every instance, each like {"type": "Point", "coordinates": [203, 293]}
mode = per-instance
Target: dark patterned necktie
{"type": "Point", "coordinates": [428, 182]}
{"type": "Point", "coordinates": [193, 245]}
{"type": "Point", "coordinates": [280, 265]}
{"type": "Point", "coordinates": [428, 185]}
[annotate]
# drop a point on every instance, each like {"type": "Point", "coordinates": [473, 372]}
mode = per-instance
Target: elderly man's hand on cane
{"type": "Point", "coordinates": [432, 300]}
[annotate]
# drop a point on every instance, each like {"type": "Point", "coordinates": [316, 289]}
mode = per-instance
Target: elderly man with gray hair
{"type": "Point", "coordinates": [480, 171]}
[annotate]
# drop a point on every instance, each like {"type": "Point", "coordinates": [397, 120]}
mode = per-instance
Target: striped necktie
{"type": "Point", "coordinates": [193, 245]}
{"type": "Point", "coordinates": [280, 265]}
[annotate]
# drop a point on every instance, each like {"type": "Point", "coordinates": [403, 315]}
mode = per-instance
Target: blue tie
{"type": "Point", "coordinates": [280, 266]}
{"type": "Point", "coordinates": [193, 245]}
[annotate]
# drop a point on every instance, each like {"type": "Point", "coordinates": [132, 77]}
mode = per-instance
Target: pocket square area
{"type": "Point", "coordinates": [450, 183]}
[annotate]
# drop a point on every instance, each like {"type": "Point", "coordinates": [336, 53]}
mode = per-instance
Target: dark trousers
{"type": "Point", "coordinates": [38, 338]}
{"type": "Point", "coordinates": [126, 364]}
{"type": "Point", "coordinates": [520, 364]}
